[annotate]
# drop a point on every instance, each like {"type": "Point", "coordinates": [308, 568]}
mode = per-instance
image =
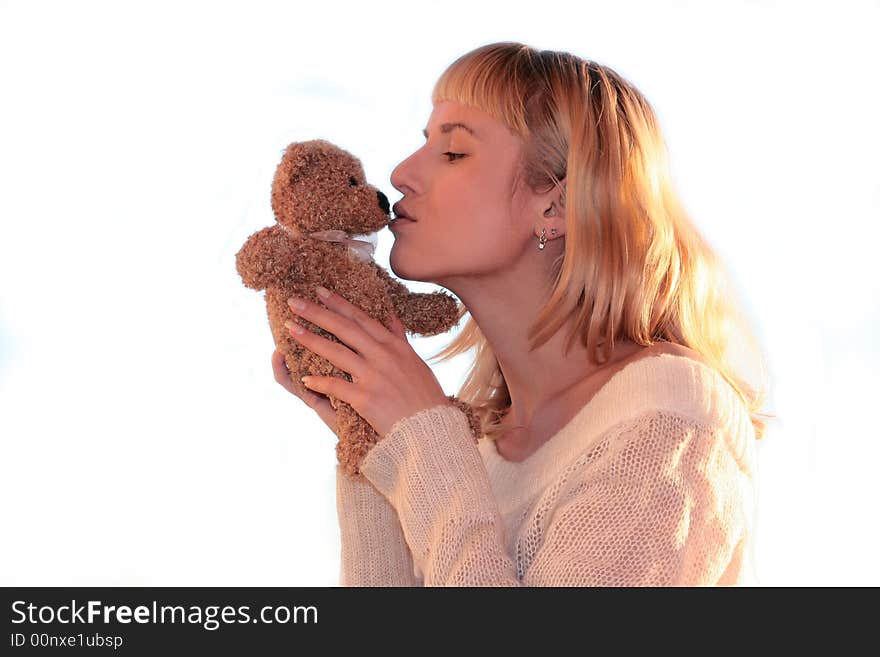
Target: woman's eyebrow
{"type": "Point", "coordinates": [447, 127]}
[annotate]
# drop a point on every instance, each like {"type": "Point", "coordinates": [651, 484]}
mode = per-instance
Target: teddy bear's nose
{"type": "Point", "coordinates": [383, 202]}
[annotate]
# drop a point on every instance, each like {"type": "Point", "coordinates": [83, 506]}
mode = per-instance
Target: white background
{"type": "Point", "coordinates": [144, 440]}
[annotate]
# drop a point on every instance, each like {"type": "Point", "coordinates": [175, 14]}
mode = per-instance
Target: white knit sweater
{"type": "Point", "coordinates": [652, 483]}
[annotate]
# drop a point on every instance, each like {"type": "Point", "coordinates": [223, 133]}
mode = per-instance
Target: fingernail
{"type": "Point", "coordinates": [296, 303]}
{"type": "Point", "coordinates": [323, 292]}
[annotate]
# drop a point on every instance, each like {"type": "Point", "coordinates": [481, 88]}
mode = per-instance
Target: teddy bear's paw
{"type": "Point", "coordinates": [266, 258]}
{"type": "Point", "coordinates": [431, 313]}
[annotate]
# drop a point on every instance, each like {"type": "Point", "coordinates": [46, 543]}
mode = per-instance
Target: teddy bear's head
{"type": "Point", "coordinates": [319, 186]}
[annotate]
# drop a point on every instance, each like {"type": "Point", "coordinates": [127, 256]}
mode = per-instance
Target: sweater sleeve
{"type": "Point", "coordinates": [430, 470]}
{"type": "Point", "coordinates": [661, 508]}
{"type": "Point", "coordinates": [373, 549]}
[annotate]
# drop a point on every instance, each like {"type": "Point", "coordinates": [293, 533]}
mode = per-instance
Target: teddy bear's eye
{"type": "Point", "coordinates": [353, 181]}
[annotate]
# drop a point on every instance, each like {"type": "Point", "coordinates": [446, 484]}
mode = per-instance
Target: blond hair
{"type": "Point", "coordinates": [634, 263]}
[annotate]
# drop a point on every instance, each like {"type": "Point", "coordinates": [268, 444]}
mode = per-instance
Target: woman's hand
{"type": "Point", "coordinates": [321, 405]}
{"type": "Point", "coordinates": [389, 382]}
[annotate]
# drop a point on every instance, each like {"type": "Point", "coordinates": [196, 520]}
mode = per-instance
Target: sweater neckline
{"type": "Point", "coordinates": [667, 381]}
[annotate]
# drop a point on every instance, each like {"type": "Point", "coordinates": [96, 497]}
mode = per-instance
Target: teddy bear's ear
{"type": "Point", "coordinates": [298, 159]}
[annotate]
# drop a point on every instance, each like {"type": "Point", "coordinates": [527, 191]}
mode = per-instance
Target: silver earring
{"type": "Point", "coordinates": [543, 239]}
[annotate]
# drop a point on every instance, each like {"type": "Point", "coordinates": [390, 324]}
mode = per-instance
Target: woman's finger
{"type": "Point", "coordinates": [282, 375]}
{"type": "Point", "coordinates": [321, 406]}
{"type": "Point", "coordinates": [358, 318]}
{"type": "Point", "coordinates": [318, 403]}
{"type": "Point", "coordinates": [397, 327]}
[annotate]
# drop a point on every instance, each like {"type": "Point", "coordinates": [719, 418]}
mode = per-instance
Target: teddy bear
{"type": "Point", "coordinates": [322, 202]}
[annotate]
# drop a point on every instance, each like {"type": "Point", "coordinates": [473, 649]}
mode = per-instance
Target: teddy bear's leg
{"type": "Point", "coordinates": [424, 314]}
{"type": "Point", "coordinates": [473, 420]}
{"type": "Point", "coordinates": [356, 437]}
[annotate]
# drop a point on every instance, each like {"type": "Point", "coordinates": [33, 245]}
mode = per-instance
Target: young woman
{"type": "Point", "coordinates": [618, 443]}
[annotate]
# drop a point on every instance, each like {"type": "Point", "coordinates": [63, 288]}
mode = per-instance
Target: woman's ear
{"type": "Point", "coordinates": [554, 210]}
{"type": "Point", "coordinates": [554, 200]}
{"type": "Point", "coordinates": [560, 193]}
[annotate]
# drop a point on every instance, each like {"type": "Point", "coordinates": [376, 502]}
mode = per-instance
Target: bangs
{"type": "Point", "coordinates": [495, 79]}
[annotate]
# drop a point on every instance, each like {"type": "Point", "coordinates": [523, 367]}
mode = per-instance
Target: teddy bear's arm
{"type": "Point", "coordinates": [266, 256]}
{"type": "Point", "coordinates": [424, 314]}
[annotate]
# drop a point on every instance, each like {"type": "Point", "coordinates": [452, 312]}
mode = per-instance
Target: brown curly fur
{"type": "Point", "coordinates": [312, 190]}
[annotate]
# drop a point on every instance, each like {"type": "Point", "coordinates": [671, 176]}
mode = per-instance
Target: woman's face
{"type": "Point", "coordinates": [470, 219]}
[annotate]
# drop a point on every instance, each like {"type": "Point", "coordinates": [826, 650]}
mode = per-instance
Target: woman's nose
{"type": "Point", "coordinates": [400, 177]}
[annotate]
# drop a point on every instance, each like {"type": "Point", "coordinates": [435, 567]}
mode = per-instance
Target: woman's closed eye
{"type": "Point", "coordinates": [456, 156]}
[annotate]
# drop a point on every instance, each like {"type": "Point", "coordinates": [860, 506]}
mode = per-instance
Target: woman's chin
{"type": "Point", "coordinates": [399, 265]}
{"type": "Point", "coordinates": [396, 266]}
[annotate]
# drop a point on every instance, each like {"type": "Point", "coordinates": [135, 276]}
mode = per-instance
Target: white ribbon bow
{"type": "Point", "coordinates": [362, 249]}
